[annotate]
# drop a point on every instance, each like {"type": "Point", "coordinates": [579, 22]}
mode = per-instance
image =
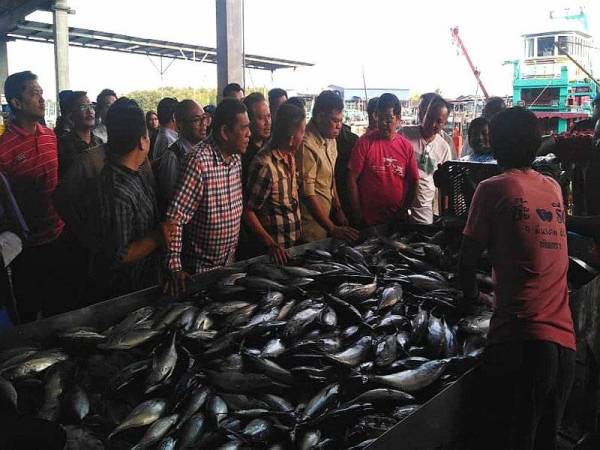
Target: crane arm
{"type": "Point", "coordinates": [464, 51]}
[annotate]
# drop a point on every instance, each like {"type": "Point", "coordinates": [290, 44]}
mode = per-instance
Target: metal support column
{"type": "Point", "coordinates": [61, 44]}
{"type": "Point", "coordinates": [3, 63]}
{"type": "Point", "coordinates": [229, 43]}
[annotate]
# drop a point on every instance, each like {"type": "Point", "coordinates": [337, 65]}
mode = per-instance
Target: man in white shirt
{"type": "Point", "coordinates": [430, 151]}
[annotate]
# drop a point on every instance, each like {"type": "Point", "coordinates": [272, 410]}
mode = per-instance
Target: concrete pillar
{"type": "Point", "coordinates": [61, 44]}
{"type": "Point", "coordinates": [3, 63]}
{"type": "Point", "coordinates": [229, 43]}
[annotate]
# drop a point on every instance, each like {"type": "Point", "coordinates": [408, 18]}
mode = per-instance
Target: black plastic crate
{"type": "Point", "coordinates": [457, 181]}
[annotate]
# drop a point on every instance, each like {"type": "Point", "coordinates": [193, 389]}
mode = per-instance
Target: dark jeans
{"type": "Point", "coordinates": [523, 391]}
{"type": "Point", "coordinates": [44, 280]}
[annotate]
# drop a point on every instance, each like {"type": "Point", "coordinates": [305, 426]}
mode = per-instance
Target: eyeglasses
{"type": "Point", "coordinates": [84, 107]}
{"type": "Point", "coordinates": [205, 118]}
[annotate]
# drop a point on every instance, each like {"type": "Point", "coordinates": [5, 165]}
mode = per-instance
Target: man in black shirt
{"type": "Point", "coordinates": [131, 234]}
{"type": "Point", "coordinates": [83, 117]}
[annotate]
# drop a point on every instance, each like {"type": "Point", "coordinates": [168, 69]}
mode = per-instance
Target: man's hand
{"type": "Point", "coordinates": [340, 218]}
{"type": "Point", "coordinates": [167, 232]}
{"type": "Point", "coordinates": [347, 234]}
{"type": "Point", "coordinates": [176, 283]}
{"type": "Point", "coordinates": [278, 254]}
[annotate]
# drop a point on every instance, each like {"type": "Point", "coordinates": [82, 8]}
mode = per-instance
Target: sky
{"type": "Point", "coordinates": [396, 43]}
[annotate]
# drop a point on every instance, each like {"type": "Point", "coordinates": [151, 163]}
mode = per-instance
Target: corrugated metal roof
{"type": "Point", "coordinates": [100, 40]}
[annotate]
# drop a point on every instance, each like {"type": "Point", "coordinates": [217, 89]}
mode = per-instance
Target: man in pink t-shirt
{"type": "Point", "coordinates": [519, 218]}
{"type": "Point", "coordinates": [382, 171]}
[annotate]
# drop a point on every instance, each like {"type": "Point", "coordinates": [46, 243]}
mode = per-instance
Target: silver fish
{"type": "Point", "coordinates": [163, 364]}
{"type": "Point", "coordinates": [8, 393]}
{"type": "Point", "coordinates": [146, 413]}
{"type": "Point", "coordinates": [35, 363]}
{"type": "Point", "coordinates": [129, 339]}
{"type": "Point", "coordinates": [156, 431]}
{"type": "Point", "coordinates": [414, 380]}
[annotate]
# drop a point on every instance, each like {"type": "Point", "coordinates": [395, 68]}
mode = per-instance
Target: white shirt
{"type": "Point", "coordinates": [428, 157]}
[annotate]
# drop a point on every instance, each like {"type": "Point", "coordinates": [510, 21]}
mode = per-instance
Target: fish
{"type": "Point", "coordinates": [163, 364]}
{"type": "Point", "coordinates": [272, 349]}
{"type": "Point", "coordinates": [258, 430]}
{"type": "Point", "coordinates": [261, 284]}
{"type": "Point", "coordinates": [383, 396]}
{"type": "Point", "coordinates": [299, 272]}
{"type": "Point", "coordinates": [412, 381]}
{"type": "Point", "coordinates": [385, 350]}
{"type": "Point", "coordinates": [168, 443]}
{"type": "Point", "coordinates": [77, 403]}
{"type": "Point", "coordinates": [355, 292]}
{"type": "Point", "coordinates": [146, 413]}
{"type": "Point", "coordinates": [436, 336]}
{"type": "Point", "coordinates": [216, 409]}
{"type": "Point", "coordinates": [269, 368]}
{"type": "Point", "coordinates": [321, 401]}
{"type": "Point", "coordinates": [355, 354]}
{"type": "Point", "coordinates": [192, 405]}
{"type": "Point", "coordinates": [128, 373]}
{"type": "Point", "coordinates": [8, 394]}
{"type": "Point", "coordinates": [156, 431]}
{"type": "Point", "coordinates": [171, 316]}
{"type": "Point", "coordinates": [35, 363]}
{"type": "Point", "coordinates": [81, 336]}
{"type": "Point", "coordinates": [128, 339]}
{"type": "Point", "coordinates": [426, 283]}
{"type": "Point", "coordinates": [390, 296]}
{"type": "Point", "coordinates": [477, 324]}
{"type": "Point", "coordinates": [402, 412]}
{"type": "Point", "coordinates": [191, 432]}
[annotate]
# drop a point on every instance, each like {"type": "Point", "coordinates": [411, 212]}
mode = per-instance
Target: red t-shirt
{"type": "Point", "coordinates": [30, 163]}
{"type": "Point", "coordinates": [386, 169]}
{"type": "Point", "coordinates": [519, 216]}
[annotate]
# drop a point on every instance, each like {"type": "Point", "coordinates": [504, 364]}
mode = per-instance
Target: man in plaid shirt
{"type": "Point", "coordinates": [207, 204]}
{"type": "Point", "coordinates": [272, 209]}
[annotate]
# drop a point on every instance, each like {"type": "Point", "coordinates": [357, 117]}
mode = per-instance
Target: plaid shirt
{"type": "Point", "coordinates": [128, 212]}
{"type": "Point", "coordinates": [273, 195]}
{"type": "Point", "coordinates": [207, 207]}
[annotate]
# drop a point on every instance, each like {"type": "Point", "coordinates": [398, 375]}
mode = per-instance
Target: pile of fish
{"type": "Point", "coordinates": [328, 352]}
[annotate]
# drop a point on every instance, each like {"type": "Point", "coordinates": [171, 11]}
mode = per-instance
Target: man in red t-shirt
{"type": "Point", "coordinates": [28, 159]}
{"type": "Point", "coordinates": [382, 171]}
{"type": "Point", "coordinates": [519, 218]}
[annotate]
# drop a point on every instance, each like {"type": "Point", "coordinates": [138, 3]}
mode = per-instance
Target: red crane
{"type": "Point", "coordinates": [458, 41]}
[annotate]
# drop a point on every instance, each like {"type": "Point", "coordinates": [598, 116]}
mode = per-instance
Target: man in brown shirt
{"type": "Point", "coordinates": [322, 214]}
{"type": "Point", "coordinates": [80, 138]}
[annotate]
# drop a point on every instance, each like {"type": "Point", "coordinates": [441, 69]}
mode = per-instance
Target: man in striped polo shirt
{"type": "Point", "coordinates": [28, 159]}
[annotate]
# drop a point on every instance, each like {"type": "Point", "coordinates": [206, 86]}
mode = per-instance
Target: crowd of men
{"type": "Point", "coordinates": [116, 200]}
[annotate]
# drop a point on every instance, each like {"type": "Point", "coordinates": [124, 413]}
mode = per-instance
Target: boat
{"type": "Point", "coordinates": [547, 81]}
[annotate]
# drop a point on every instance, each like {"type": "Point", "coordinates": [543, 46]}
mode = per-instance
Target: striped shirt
{"type": "Point", "coordinates": [207, 208]}
{"type": "Point", "coordinates": [30, 163]}
{"type": "Point", "coordinates": [128, 213]}
{"type": "Point", "coordinates": [273, 195]}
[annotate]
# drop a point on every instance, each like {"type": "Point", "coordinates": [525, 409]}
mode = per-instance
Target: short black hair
{"type": "Point", "coordinates": [327, 102]}
{"type": "Point", "coordinates": [387, 101]}
{"type": "Point", "coordinates": [14, 86]}
{"type": "Point", "coordinates": [515, 137]}
{"type": "Point", "coordinates": [298, 101]}
{"type": "Point", "coordinates": [275, 93]}
{"type": "Point", "coordinates": [182, 108]}
{"type": "Point", "coordinates": [477, 124]}
{"type": "Point", "coordinates": [251, 100]}
{"type": "Point", "coordinates": [493, 106]}
{"type": "Point", "coordinates": [226, 114]}
{"type": "Point", "coordinates": [231, 89]}
{"type": "Point", "coordinates": [125, 125]}
{"type": "Point", "coordinates": [73, 100]}
{"type": "Point", "coordinates": [103, 94]}
{"type": "Point", "coordinates": [63, 100]}
{"type": "Point", "coordinates": [372, 105]}
{"type": "Point", "coordinates": [166, 110]}
{"type": "Point", "coordinates": [429, 102]}
{"type": "Point", "coordinates": [287, 120]}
